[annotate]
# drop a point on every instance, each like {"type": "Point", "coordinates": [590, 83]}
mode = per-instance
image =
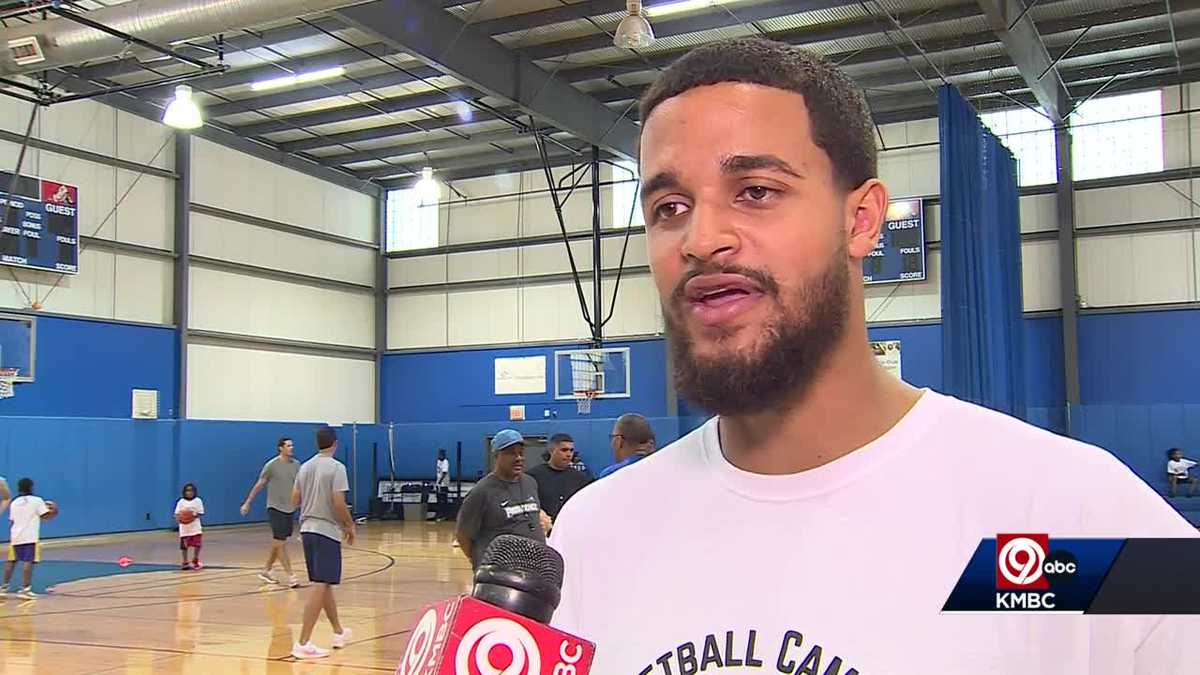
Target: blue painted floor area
{"type": "Point", "coordinates": [50, 573]}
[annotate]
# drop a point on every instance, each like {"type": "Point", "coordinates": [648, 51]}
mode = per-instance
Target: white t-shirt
{"type": "Point", "coordinates": [26, 513]}
{"type": "Point", "coordinates": [1179, 468]}
{"type": "Point", "coordinates": [856, 557]}
{"type": "Point", "coordinates": [443, 473]}
{"type": "Point", "coordinates": [193, 528]}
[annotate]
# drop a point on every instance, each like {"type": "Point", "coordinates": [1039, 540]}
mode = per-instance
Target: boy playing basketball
{"type": "Point", "coordinates": [188, 511]}
{"type": "Point", "coordinates": [27, 512]}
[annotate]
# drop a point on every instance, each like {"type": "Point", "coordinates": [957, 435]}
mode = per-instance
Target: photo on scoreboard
{"type": "Point", "coordinates": [39, 225]}
{"type": "Point", "coordinates": [899, 254]}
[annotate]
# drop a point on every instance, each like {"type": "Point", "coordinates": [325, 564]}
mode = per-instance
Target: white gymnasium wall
{"type": "Point", "coordinates": [237, 182]}
{"type": "Point", "coordinates": [111, 284]}
{"type": "Point", "coordinates": [278, 386]}
{"type": "Point", "coordinates": [265, 211]}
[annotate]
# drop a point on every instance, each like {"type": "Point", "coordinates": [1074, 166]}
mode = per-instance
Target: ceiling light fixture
{"type": "Point", "coordinates": [182, 112]}
{"type": "Point", "coordinates": [428, 190]}
{"type": "Point", "coordinates": [634, 31]}
{"type": "Point", "coordinates": [298, 78]}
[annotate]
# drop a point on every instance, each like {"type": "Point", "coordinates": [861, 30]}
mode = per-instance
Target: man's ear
{"type": "Point", "coordinates": [866, 207]}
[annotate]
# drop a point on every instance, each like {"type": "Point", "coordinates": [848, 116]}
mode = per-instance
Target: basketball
{"type": "Point", "coordinates": [186, 517]}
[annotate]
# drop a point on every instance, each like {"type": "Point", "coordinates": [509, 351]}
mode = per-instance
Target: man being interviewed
{"type": "Point", "coordinates": [818, 523]}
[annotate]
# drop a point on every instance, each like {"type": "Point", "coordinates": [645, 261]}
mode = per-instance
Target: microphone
{"type": "Point", "coordinates": [500, 628]}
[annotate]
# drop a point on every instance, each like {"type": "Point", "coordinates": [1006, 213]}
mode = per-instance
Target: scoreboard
{"type": "Point", "coordinates": [899, 254]}
{"type": "Point", "coordinates": [39, 224]}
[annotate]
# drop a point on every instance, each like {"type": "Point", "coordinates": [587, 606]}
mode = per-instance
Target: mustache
{"type": "Point", "coordinates": [763, 279]}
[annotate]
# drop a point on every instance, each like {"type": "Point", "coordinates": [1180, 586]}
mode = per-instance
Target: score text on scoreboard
{"type": "Point", "coordinates": [899, 254]}
{"type": "Point", "coordinates": [39, 225]}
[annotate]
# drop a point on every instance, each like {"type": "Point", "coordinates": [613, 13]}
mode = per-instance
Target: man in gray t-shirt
{"type": "Point", "coordinates": [504, 502]}
{"type": "Point", "coordinates": [320, 492]}
{"type": "Point", "coordinates": [279, 477]}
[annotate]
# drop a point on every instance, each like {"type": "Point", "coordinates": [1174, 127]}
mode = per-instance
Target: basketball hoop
{"type": "Point", "coordinates": [7, 377]}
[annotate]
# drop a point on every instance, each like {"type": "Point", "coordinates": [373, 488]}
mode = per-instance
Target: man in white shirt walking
{"type": "Point", "coordinates": [819, 522]}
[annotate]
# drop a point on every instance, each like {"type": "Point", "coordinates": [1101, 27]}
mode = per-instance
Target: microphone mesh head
{"type": "Point", "coordinates": [510, 552]}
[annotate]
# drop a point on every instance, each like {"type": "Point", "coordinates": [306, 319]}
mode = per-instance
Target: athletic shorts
{"type": "Point", "coordinates": [29, 553]}
{"type": "Point", "coordinates": [323, 557]}
{"type": "Point", "coordinates": [281, 524]}
{"type": "Point", "coordinates": [190, 542]}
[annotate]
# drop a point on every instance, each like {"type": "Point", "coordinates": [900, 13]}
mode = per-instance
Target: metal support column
{"type": "Point", "coordinates": [597, 286]}
{"type": "Point", "coordinates": [183, 223]}
{"type": "Point", "coordinates": [1065, 208]}
{"type": "Point", "coordinates": [381, 301]}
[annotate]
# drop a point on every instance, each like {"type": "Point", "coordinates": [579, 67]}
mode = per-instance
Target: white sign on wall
{"type": "Point", "coordinates": [887, 353]}
{"type": "Point", "coordinates": [521, 375]}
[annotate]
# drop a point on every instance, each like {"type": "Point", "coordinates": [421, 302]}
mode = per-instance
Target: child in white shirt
{"type": "Point", "coordinates": [26, 513]}
{"type": "Point", "coordinates": [1177, 472]}
{"type": "Point", "coordinates": [190, 532]}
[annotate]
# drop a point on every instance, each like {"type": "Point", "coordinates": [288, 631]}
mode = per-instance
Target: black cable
{"type": "Point", "coordinates": [562, 226]}
{"type": "Point", "coordinates": [612, 306]}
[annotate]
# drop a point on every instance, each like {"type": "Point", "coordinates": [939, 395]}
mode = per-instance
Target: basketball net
{"type": "Point", "coordinates": [587, 378]}
{"type": "Point", "coordinates": [7, 378]}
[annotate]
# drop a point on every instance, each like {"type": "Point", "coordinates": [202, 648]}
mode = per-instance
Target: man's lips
{"type": "Point", "coordinates": [718, 298]}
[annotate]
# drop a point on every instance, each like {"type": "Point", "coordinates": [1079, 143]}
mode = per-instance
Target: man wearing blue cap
{"type": "Point", "coordinates": [504, 502]}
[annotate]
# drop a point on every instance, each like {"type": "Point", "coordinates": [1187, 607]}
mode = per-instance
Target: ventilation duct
{"type": "Point", "coordinates": [61, 42]}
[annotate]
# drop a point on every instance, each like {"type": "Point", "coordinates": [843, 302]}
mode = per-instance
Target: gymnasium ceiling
{"type": "Point", "coordinates": [424, 87]}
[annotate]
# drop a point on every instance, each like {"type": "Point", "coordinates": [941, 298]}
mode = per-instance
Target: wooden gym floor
{"type": "Point", "coordinates": [223, 619]}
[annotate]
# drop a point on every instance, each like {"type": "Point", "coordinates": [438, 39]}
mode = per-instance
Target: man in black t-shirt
{"type": "Point", "coordinates": [504, 502]}
{"type": "Point", "coordinates": [557, 481]}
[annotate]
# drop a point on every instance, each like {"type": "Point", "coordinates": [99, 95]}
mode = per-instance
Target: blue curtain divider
{"type": "Point", "coordinates": [982, 340]}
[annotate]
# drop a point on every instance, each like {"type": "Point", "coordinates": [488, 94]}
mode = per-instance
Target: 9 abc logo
{"type": "Point", "coordinates": [1024, 562]}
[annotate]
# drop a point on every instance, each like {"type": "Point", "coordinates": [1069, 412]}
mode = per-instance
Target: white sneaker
{"type": "Point", "coordinates": [308, 651]}
{"type": "Point", "coordinates": [27, 594]}
{"type": "Point", "coordinates": [267, 578]}
{"type": "Point", "coordinates": [294, 582]}
{"type": "Point", "coordinates": [340, 639]}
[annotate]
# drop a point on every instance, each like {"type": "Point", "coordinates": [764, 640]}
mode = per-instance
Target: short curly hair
{"type": "Point", "coordinates": [837, 109]}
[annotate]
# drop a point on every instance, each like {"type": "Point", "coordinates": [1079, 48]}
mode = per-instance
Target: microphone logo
{"type": "Point", "coordinates": [498, 646]}
{"type": "Point", "coordinates": [418, 654]}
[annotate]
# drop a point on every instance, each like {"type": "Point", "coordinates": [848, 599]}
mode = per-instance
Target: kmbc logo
{"type": "Point", "coordinates": [1028, 573]}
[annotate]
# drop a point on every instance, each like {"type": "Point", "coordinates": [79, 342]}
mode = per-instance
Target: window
{"type": "Point", "coordinates": [411, 224]}
{"type": "Point", "coordinates": [1113, 136]}
{"type": "Point", "coordinates": [1030, 137]}
{"type": "Point", "coordinates": [625, 196]}
{"type": "Point", "coordinates": [1118, 136]}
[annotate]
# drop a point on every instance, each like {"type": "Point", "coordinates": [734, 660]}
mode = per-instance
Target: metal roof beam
{"type": "Point", "coordinates": [358, 111]}
{"type": "Point", "coordinates": [339, 87]}
{"type": "Point", "coordinates": [440, 39]}
{"type": "Point", "coordinates": [490, 159]}
{"type": "Point", "coordinates": [1011, 22]}
{"type": "Point", "coordinates": [244, 41]}
{"type": "Point", "coordinates": [450, 143]}
{"type": "Point", "coordinates": [512, 166]}
{"type": "Point", "coordinates": [392, 130]}
{"type": "Point", "coordinates": [302, 64]}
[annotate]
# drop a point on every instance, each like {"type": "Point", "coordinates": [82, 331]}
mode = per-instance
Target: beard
{"type": "Point", "coordinates": [780, 367]}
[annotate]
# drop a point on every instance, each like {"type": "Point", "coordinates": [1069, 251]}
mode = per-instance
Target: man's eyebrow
{"type": "Point", "coordinates": [743, 163]}
{"type": "Point", "coordinates": [660, 181]}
